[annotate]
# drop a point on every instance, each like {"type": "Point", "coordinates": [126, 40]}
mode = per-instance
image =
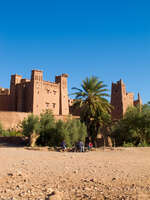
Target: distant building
{"type": "Point", "coordinates": [121, 100]}
{"type": "Point", "coordinates": [36, 95]}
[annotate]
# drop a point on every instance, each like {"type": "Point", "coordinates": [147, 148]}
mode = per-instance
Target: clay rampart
{"type": "Point", "coordinates": [10, 120]}
{"type": "Point", "coordinates": [4, 102]}
{"type": "Point", "coordinates": [65, 117]}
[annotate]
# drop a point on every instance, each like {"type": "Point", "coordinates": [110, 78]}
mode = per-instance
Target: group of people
{"type": "Point", "coordinates": [79, 146]}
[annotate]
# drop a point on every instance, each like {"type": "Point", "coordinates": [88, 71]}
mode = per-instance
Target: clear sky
{"type": "Point", "coordinates": [106, 38]}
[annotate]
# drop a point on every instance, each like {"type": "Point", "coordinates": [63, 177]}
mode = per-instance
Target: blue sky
{"type": "Point", "coordinates": [109, 39]}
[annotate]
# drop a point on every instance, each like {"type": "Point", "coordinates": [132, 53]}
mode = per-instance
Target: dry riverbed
{"type": "Point", "coordinates": [123, 173]}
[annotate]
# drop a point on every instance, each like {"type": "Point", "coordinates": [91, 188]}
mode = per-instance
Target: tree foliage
{"type": "Point", "coordinates": [47, 128]}
{"type": "Point", "coordinates": [134, 128]}
{"type": "Point", "coordinates": [70, 131]}
{"type": "Point", "coordinates": [31, 128]}
{"type": "Point", "coordinates": [30, 125]}
{"type": "Point", "coordinates": [1, 129]}
{"type": "Point", "coordinates": [95, 108]}
{"type": "Point", "coordinates": [51, 132]}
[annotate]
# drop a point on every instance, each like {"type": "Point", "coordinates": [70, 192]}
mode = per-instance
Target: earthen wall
{"type": "Point", "coordinates": [121, 100]}
{"type": "Point", "coordinates": [129, 99]}
{"type": "Point", "coordinates": [4, 102]}
{"type": "Point", "coordinates": [10, 120]}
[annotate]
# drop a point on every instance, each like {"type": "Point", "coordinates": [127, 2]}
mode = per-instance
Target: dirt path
{"type": "Point", "coordinates": [118, 174]}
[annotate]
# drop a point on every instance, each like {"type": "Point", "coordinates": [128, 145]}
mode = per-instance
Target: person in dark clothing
{"type": "Point", "coordinates": [63, 145]}
{"type": "Point", "coordinates": [81, 146]}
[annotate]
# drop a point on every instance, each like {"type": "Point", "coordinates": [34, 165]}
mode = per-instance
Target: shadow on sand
{"type": "Point", "coordinates": [13, 141]}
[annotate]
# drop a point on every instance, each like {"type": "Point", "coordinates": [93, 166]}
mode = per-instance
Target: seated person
{"type": "Point", "coordinates": [63, 145]}
{"type": "Point", "coordinates": [90, 145]}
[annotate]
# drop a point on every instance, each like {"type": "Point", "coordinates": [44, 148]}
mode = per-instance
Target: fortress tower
{"type": "Point", "coordinates": [63, 98]}
{"type": "Point", "coordinates": [36, 95]}
{"type": "Point", "coordinates": [121, 100]}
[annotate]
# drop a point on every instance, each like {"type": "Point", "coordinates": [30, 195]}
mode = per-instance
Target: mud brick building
{"type": "Point", "coordinates": [121, 100]}
{"type": "Point", "coordinates": [35, 95]}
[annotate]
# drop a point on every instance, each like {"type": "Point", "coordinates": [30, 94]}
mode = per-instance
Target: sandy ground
{"type": "Point", "coordinates": [123, 173]}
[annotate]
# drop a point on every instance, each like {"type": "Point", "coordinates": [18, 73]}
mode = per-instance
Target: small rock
{"type": "Point", "coordinates": [49, 190]}
{"type": "Point", "coordinates": [75, 172]}
{"type": "Point", "coordinates": [10, 174]}
{"type": "Point", "coordinates": [92, 180]}
{"type": "Point", "coordinates": [13, 198]}
{"type": "Point", "coordinates": [17, 187]}
{"type": "Point", "coordinates": [19, 173]}
{"type": "Point", "coordinates": [55, 196]}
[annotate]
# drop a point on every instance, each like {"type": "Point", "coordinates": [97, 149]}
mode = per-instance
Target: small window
{"type": "Point", "coordinates": [48, 91]}
{"type": "Point", "coordinates": [47, 105]}
{"type": "Point", "coordinates": [54, 91]}
{"type": "Point", "coordinates": [54, 105]}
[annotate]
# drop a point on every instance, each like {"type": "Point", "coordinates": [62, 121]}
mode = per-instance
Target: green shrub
{"type": "Point", "coordinates": [70, 131]}
{"type": "Point", "coordinates": [144, 144]}
{"type": "Point", "coordinates": [128, 145]}
{"type": "Point", "coordinates": [10, 133]}
{"type": "Point", "coordinates": [134, 127]}
{"type": "Point", "coordinates": [76, 131]}
{"type": "Point", "coordinates": [47, 129]}
{"type": "Point", "coordinates": [51, 132]}
{"type": "Point", "coordinates": [61, 133]}
{"type": "Point", "coordinates": [1, 129]}
{"type": "Point", "coordinates": [30, 124]}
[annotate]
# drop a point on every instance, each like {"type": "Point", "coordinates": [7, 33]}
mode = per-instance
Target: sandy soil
{"type": "Point", "coordinates": [110, 174]}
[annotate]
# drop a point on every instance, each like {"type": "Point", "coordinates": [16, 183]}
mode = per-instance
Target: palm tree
{"type": "Point", "coordinates": [91, 100]}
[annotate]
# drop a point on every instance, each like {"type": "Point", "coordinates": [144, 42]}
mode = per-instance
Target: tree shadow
{"type": "Point", "coordinates": [13, 141]}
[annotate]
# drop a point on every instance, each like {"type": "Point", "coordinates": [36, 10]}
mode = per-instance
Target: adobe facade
{"type": "Point", "coordinates": [121, 100]}
{"type": "Point", "coordinates": [35, 95]}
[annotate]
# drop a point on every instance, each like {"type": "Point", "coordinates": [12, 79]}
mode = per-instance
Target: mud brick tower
{"type": "Point", "coordinates": [121, 100]}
